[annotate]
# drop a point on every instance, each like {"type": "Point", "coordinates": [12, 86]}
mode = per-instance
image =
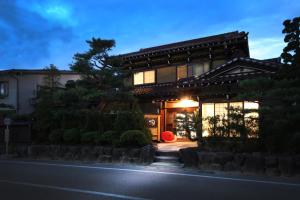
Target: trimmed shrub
{"type": "Point", "coordinates": [107, 138]}
{"type": "Point", "coordinates": [56, 136]}
{"type": "Point", "coordinates": [148, 134]}
{"type": "Point", "coordinates": [89, 137]}
{"type": "Point", "coordinates": [134, 138]}
{"type": "Point", "coordinates": [129, 120]}
{"type": "Point", "coordinates": [72, 136]}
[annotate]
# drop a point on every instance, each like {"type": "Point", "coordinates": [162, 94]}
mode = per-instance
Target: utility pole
{"type": "Point", "coordinates": [7, 122]}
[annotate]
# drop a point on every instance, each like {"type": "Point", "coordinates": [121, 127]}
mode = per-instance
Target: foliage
{"type": "Point", "coordinates": [134, 138]}
{"type": "Point", "coordinates": [129, 120]}
{"type": "Point", "coordinates": [72, 136]}
{"type": "Point", "coordinates": [90, 103]}
{"type": "Point", "coordinates": [108, 138]}
{"type": "Point", "coordinates": [237, 123]}
{"type": "Point", "coordinates": [56, 136]}
{"type": "Point", "coordinates": [90, 137]}
{"type": "Point", "coordinates": [291, 53]}
{"type": "Point", "coordinates": [279, 97]}
{"type": "Point", "coordinates": [52, 78]}
{"type": "Point", "coordinates": [188, 123]}
{"type": "Point", "coordinates": [103, 74]}
{"type": "Point", "coordinates": [232, 144]}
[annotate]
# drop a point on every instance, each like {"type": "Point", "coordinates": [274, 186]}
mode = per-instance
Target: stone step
{"type": "Point", "coordinates": [167, 164]}
{"type": "Point", "coordinates": [167, 153]}
{"type": "Point", "coordinates": [171, 159]}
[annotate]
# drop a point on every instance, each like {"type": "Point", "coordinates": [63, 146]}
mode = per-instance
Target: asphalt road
{"type": "Point", "coordinates": [22, 180]}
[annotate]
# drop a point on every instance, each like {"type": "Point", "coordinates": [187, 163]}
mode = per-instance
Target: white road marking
{"type": "Point", "coordinates": [72, 190]}
{"type": "Point", "coordinates": [155, 172]}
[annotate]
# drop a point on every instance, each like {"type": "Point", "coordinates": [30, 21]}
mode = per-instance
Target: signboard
{"type": "Point", "coordinates": [151, 122]}
{"type": "Point", "coordinates": [6, 135]}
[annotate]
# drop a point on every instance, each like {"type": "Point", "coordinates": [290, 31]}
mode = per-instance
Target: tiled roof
{"type": "Point", "coordinates": [199, 41]}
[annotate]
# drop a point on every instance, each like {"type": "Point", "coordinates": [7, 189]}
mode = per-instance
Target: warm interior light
{"type": "Point", "coordinates": [186, 103]}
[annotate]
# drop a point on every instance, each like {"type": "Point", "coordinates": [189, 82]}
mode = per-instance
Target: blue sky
{"type": "Point", "coordinates": [36, 33]}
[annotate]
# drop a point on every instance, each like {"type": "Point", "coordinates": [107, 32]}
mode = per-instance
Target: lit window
{"type": "Point", "coordinates": [251, 109]}
{"type": "Point", "coordinates": [221, 109]}
{"type": "Point", "coordinates": [138, 78]}
{"type": "Point", "coordinates": [207, 111]}
{"type": "Point", "coordinates": [181, 72]}
{"type": "Point", "coordinates": [149, 76]}
{"type": "Point", "coordinates": [237, 105]}
{"type": "Point", "coordinates": [250, 117]}
{"type": "Point", "coordinates": [3, 89]}
{"type": "Point", "coordinates": [144, 77]}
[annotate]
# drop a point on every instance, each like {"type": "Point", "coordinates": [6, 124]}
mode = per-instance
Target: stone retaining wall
{"type": "Point", "coordinates": [144, 155]}
{"type": "Point", "coordinates": [251, 163]}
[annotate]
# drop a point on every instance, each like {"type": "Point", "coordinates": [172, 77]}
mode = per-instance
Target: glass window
{"type": "Point", "coordinates": [236, 105]}
{"type": "Point", "coordinates": [181, 72]}
{"type": "Point", "coordinates": [166, 74]}
{"type": "Point", "coordinates": [200, 68]}
{"type": "Point", "coordinates": [3, 88]}
{"type": "Point", "coordinates": [251, 109]}
{"type": "Point", "coordinates": [205, 67]}
{"type": "Point", "coordinates": [197, 69]}
{"type": "Point", "coordinates": [207, 111]}
{"type": "Point", "coordinates": [138, 78]}
{"type": "Point", "coordinates": [221, 109]}
{"type": "Point", "coordinates": [250, 117]}
{"type": "Point", "coordinates": [149, 76]}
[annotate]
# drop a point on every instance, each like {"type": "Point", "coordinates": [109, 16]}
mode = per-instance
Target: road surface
{"type": "Point", "coordinates": [22, 180]}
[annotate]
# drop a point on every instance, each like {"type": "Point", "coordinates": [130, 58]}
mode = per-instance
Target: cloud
{"type": "Point", "coordinates": [26, 36]}
{"type": "Point", "coordinates": [264, 48]}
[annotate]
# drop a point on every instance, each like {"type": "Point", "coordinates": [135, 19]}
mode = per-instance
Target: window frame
{"type": "Point", "coordinates": [6, 89]}
{"type": "Point", "coordinates": [186, 71]}
{"type": "Point", "coordinates": [143, 75]}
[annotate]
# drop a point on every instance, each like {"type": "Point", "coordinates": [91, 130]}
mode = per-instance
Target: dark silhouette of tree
{"type": "Point", "coordinates": [52, 77]}
{"type": "Point", "coordinates": [103, 73]}
{"type": "Point", "coordinates": [291, 53]}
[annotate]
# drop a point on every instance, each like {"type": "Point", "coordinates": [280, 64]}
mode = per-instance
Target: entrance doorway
{"type": "Point", "coordinates": [178, 118]}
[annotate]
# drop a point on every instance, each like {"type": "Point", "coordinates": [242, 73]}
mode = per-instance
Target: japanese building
{"type": "Point", "coordinates": [195, 75]}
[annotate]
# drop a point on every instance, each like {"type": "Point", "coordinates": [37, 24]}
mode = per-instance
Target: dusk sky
{"type": "Point", "coordinates": [36, 33]}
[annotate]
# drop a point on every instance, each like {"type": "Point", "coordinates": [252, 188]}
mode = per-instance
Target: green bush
{"type": "Point", "coordinates": [72, 136]}
{"type": "Point", "coordinates": [89, 137]}
{"type": "Point", "coordinates": [56, 136]}
{"type": "Point", "coordinates": [129, 120]}
{"type": "Point", "coordinates": [147, 133]}
{"type": "Point", "coordinates": [134, 138]}
{"type": "Point", "coordinates": [107, 138]}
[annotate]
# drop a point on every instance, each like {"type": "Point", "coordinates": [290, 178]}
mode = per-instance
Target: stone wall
{"type": "Point", "coordinates": [144, 155]}
{"type": "Point", "coordinates": [248, 163]}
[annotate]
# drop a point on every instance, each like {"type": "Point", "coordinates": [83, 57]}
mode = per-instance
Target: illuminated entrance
{"type": "Point", "coordinates": [178, 115]}
{"type": "Point", "coordinates": [175, 114]}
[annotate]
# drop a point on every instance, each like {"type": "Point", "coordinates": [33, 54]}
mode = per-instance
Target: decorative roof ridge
{"type": "Point", "coordinates": [247, 59]}
{"type": "Point", "coordinates": [182, 44]}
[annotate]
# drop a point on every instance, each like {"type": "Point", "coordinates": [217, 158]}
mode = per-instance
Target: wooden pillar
{"type": "Point", "coordinates": [162, 117]}
{"type": "Point", "coordinates": [199, 134]}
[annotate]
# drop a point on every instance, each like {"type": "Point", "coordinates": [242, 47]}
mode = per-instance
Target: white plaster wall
{"type": "Point", "coordinates": [28, 85]}
{"type": "Point", "coordinates": [11, 99]}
